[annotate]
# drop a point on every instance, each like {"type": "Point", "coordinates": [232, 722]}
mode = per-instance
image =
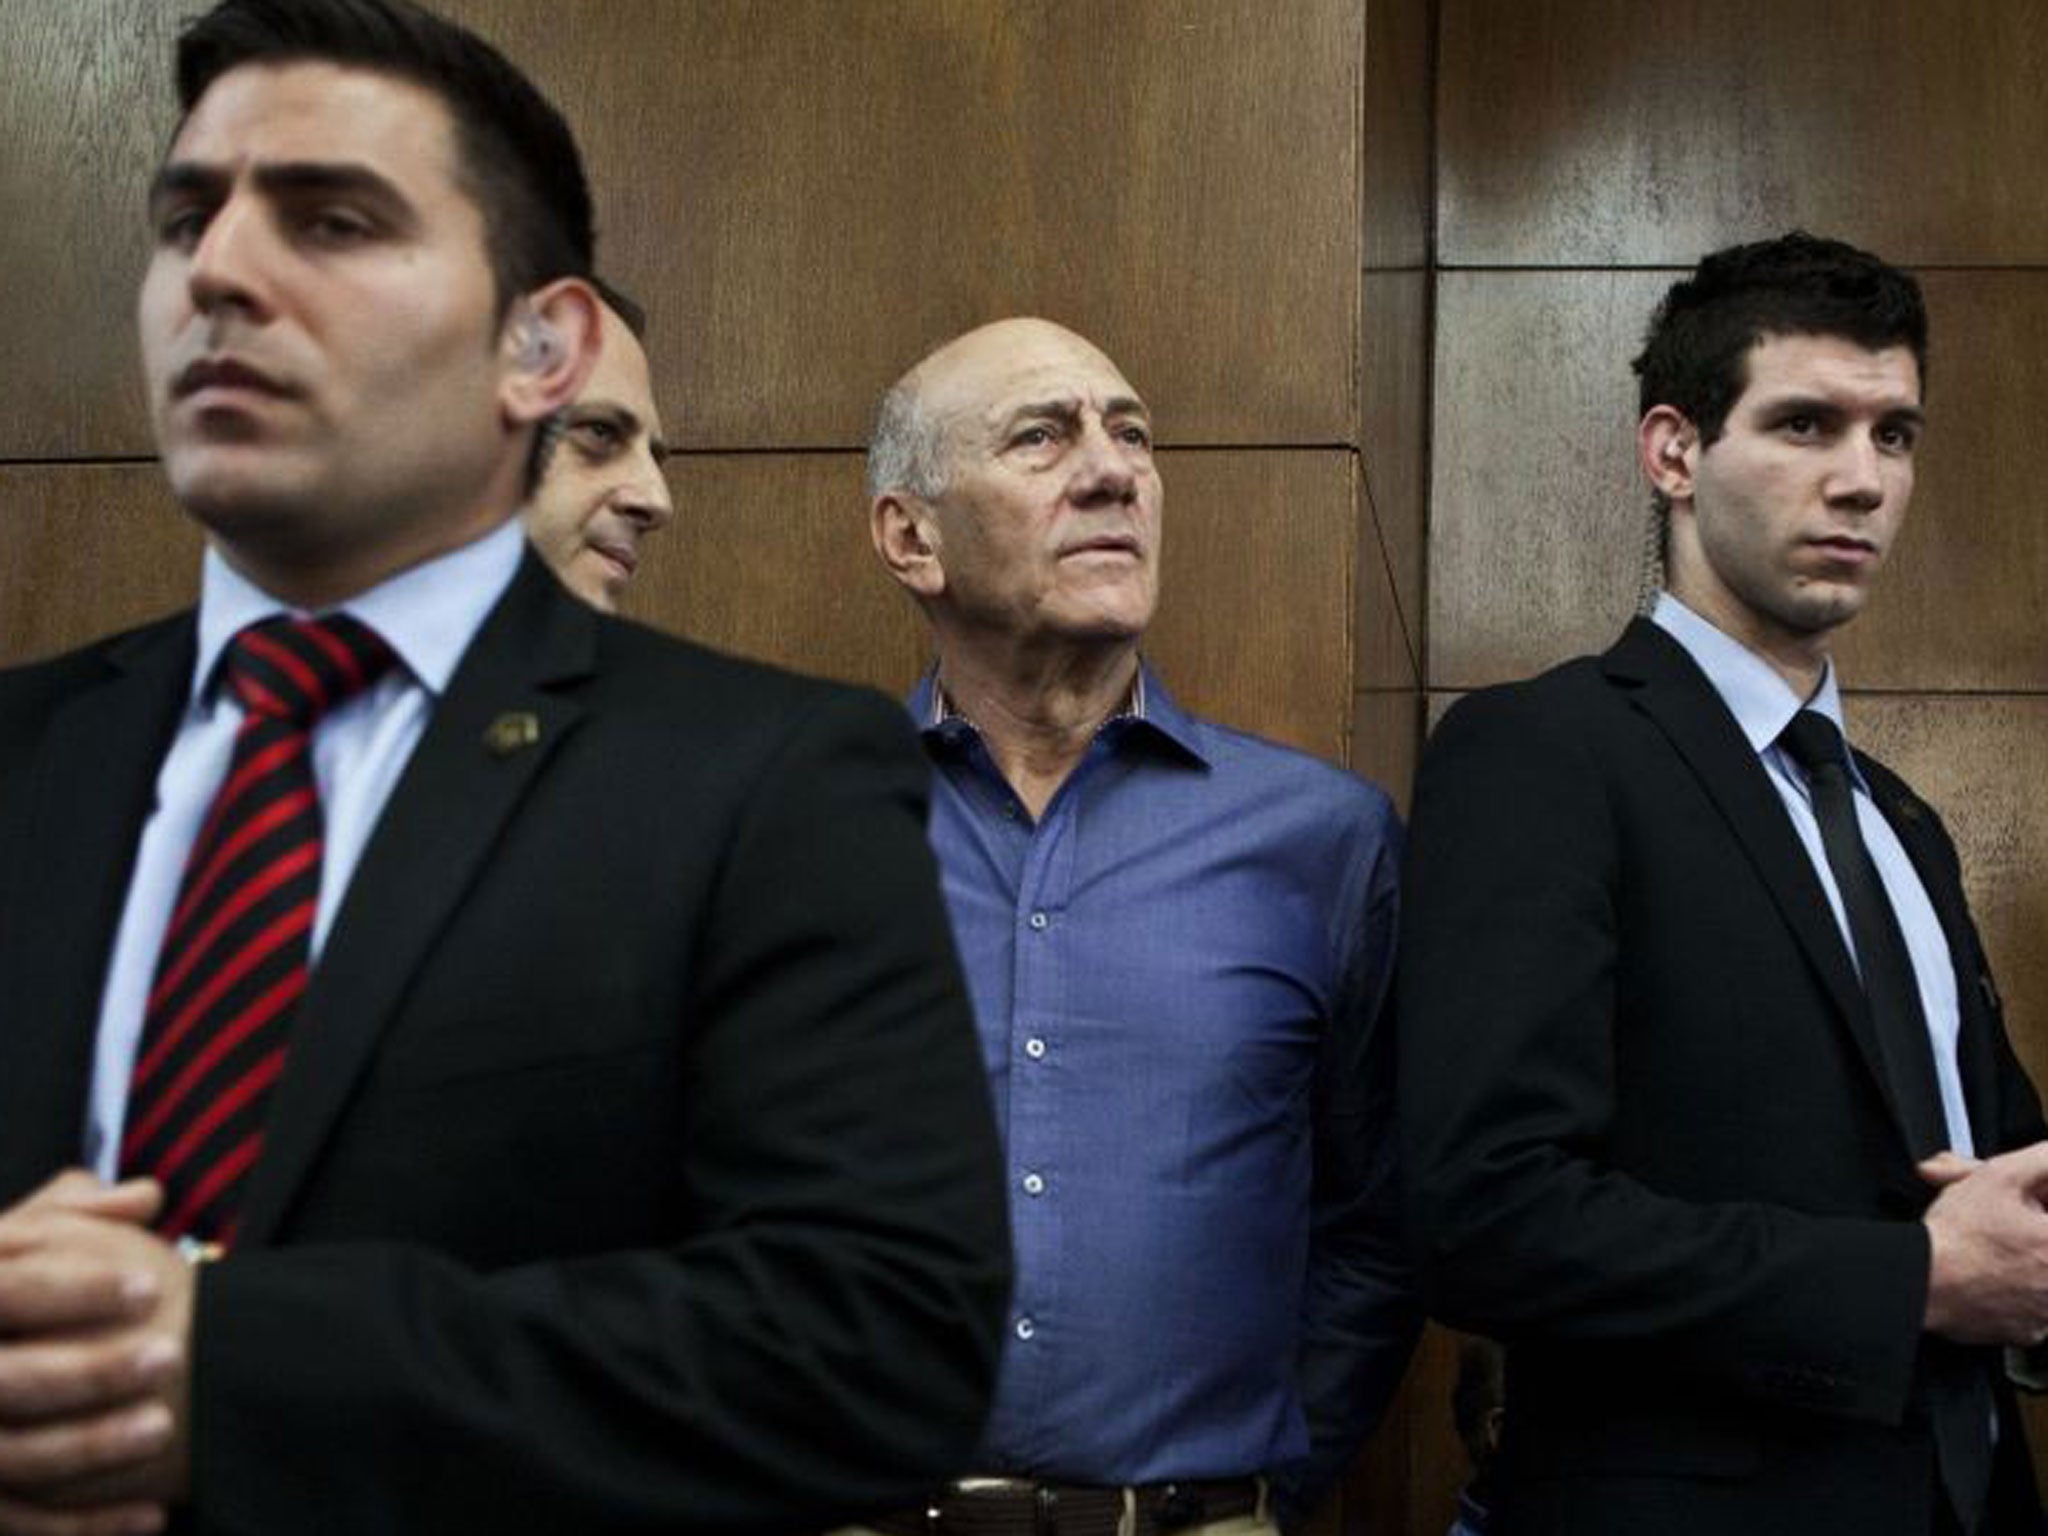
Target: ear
{"type": "Point", "coordinates": [1668, 448]}
{"type": "Point", "coordinates": [546, 349]}
{"type": "Point", "coordinates": [907, 540]}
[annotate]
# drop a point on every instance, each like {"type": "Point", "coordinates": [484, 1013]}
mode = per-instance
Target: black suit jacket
{"type": "Point", "coordinates": [1646, 1136]}
{"type": "Point", "coordinates": [633, 1168]}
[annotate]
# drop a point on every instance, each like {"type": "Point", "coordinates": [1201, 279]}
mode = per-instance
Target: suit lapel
{"type": "Point", "coordinates": [1976, 1053]}
{"type": "Point", "coordinates": [501, 719]}
{"type": "Point", "coordinates": [1668, 686]}
{"type": "Point", "coordinates": [94, 783]}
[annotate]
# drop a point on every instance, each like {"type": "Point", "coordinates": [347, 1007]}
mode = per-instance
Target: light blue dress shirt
{"type": "Point", "coordinates": [427, 615]}
{"type": "Point", "coordinates": [1763, 704]}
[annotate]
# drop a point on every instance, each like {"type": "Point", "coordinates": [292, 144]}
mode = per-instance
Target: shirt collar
{"type": "Point", "coordinates": [427, 613]}
{"type": "Point", "coordinates": [1150, 708]}
{"type": "Point", "coordinates": [1762, 702]}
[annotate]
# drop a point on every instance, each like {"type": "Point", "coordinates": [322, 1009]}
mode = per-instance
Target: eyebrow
{"type": "Point", "coordinates": [1822, 405]}
{"type": "Point", "coordinates": [620, 414]}
{"type": "Point", "coordinates": [1067, 409]}
{"type": "Point", "coordinates": [289, 178]}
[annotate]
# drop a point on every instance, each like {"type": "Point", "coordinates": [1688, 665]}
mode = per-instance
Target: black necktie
{"type": "Point", "coordinates": [1959, 1397]}
{"type": "Point", "coordinates": [1881, 956]}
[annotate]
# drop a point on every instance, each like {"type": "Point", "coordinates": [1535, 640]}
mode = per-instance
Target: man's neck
{"type": "Point", "coordinates": [317, 583]}
{"type": "Point", "coordinates": [1038, 713]}
{"type": "Point", "coordinates": [1801, 659]}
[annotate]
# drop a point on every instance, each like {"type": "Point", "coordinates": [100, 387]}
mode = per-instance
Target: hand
{"type": "Point", "coordinates": [1988, 1239]}
{"type": "Point", "coordinates": [95, 1323]}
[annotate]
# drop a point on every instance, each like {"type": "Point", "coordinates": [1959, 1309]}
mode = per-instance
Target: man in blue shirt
{"type": "Point", "coordinates": [1708, 1108]}
{"type": "Point", "coordinates": [1177, 937]}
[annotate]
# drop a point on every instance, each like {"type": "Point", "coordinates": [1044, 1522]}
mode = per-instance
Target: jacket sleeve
{"type": "Point", "coordinates": [817, 1341]}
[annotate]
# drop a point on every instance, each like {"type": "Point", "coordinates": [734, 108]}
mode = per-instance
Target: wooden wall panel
{"type": "Point", "coordinates": [1589, 132]}
{"type": "Point", "coordinates": [1394, 426]}
{"type": "Point", "coordinates": [1253, 627]}
{"type": "Point", "coordinates": [811, 193]}
{"type": "Point", "coordinates": [769, 557]}
{"type": "Point", "coordinates": [86, 550]}
{"type": "Point", "coordinates": [85, 105]}
{"type": "Point", "coordinates": [1399, 132]}
{"type": "Point", "coordinates": [1536, 522]}
{"type": "Point", "coordinates": [1386, 738]}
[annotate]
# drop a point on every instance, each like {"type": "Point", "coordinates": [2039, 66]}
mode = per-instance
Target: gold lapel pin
{"type": "Point", "coordinates": [513, 731]}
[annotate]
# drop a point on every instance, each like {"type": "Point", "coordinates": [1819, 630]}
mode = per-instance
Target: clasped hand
{"type": "Point", "coordinates": [95, 1329]}
{"type": "Point", "coordinates": [1988, 1235]}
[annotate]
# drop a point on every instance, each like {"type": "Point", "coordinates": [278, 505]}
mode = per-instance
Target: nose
{"type": "Point", "coordinates": [227, 265]}
{"type": "Point", "coordinates": [1105, 472]}
{"type": "Point", "coordinates": [1856, 478]}
{"type": "Point", "coordinates": [645, 499]}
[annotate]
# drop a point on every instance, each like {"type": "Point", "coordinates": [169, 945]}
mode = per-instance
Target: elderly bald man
{"type": "Point", "coordinates": [1177, 936]}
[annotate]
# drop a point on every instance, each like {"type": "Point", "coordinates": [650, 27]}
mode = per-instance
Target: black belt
{"type": "Point", "coordinates": [1021, 1507]}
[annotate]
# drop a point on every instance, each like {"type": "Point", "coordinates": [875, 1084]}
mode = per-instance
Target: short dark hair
{"type": "Point", "coordinates": [622, 304]}
{"type": "Point", "coordinates": [1696, 352]}
{"type": "Point", "coordinates": [516, 157]}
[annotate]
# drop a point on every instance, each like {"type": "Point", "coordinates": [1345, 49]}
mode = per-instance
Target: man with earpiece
{"type": "Point", "coordinates": [599, 492]}
{"type": "Point", "coordinates": [1708, 1108]}
{"type": "Point", "coordinates": [456, 1042]}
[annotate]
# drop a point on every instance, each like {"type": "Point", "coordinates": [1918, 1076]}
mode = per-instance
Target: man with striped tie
{"type": "Point", "coordinates": [452, 1042]}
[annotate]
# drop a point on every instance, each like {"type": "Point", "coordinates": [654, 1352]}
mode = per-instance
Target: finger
{"type": "Point", "coordinates": [68, 1377]}
{"type": "Point", "coordinates": [45, 1290]}
{"type": "Point", "coordinates": [42, 1456]}
{"type": "Point", "coordinates": [1946, 1168]}
{"type": "Point", "coordinates": [135, 1200]}
{"type": "Point", "coordinates": [2029, 1164]}
{"type": "Point", "coordinates": [19, 1519]}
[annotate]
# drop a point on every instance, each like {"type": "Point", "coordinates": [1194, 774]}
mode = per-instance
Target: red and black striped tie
{"type": "Point", "coordinates": [234, 957]}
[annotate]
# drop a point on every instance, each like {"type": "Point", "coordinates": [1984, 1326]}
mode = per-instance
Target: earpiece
{"type": "Point", "coordinates": [536, 344]}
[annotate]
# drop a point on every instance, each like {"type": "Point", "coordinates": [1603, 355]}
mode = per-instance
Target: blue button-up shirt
{"type": "Point", "coordinates": [1178, 973]}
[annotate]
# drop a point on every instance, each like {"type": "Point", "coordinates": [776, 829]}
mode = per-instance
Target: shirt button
{"type": "Point", "coordinates": [1039, 920]}
{"type": "Point", "coordinates": [1033, 1184]}
{"type": "Point", "coordinates": [1035, 1048]}
{"type": "Point", "coordinates": [1025, 1328]}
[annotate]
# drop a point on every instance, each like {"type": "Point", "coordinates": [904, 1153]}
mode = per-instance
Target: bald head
{"type": "Point", "coordinates": [908, 451]}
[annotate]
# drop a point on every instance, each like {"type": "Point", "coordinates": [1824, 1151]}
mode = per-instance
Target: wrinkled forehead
{"type": "Point", "coordinates": [986, 378]}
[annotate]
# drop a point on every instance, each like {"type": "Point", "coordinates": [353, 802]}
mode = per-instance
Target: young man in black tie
{"type": "Point", "coordinates": [1708, 1109]}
